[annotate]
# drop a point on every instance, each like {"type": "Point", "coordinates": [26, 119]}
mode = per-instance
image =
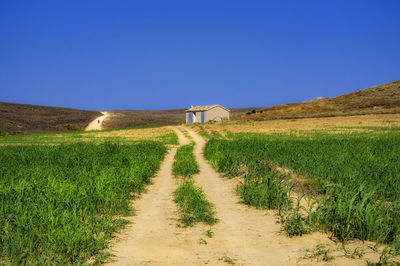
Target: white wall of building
{"type": "Point", "coordinates": [216, 114]}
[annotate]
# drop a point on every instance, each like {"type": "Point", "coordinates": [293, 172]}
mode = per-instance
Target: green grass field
{"type": "Point", "coordinates": [63, 196]}
{"type": "Point", "coordinates": [61, 204]}
{"type": "Point", "coordinates": [354, 179]}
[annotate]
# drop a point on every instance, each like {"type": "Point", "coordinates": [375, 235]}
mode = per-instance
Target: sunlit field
{"type": "Point", "coordinates": [123, 136]}
{"type": "Point", "coordinates": [350, 181]}
{"type": "Point", "coordinates": [62, 201]}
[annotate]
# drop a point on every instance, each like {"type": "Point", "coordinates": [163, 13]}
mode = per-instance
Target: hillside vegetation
{"type": "Point", "coordinates": [384, 99]}
{"type": "Point", "coordinates": [29, 119]}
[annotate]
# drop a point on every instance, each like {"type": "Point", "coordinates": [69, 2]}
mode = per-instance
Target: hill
{"type": "Point", "coordinates": [140, 118]}
{"type": "Point", "coordinates": [31, 119]}
{"type": "Point", "coordinates": [383, 99]}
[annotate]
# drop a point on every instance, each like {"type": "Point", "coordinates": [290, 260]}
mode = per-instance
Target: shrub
{"type": "Point", "coordinates": [3, 133]}
{"type": "Point", "coordinates": [295, 224]}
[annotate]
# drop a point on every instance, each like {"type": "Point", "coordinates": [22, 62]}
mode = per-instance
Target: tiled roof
{"type": "Point", "coordinates": [202, 108]}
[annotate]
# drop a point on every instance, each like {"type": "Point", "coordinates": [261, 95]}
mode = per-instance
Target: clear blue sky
{"type": "Point", "coordinates": [148, 54]}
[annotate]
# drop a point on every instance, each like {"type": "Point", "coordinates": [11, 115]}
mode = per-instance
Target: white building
{"type": "Point", "coordinates": [202, 114]}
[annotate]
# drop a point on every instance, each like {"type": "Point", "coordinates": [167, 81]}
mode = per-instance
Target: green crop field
{"type": "Point", "coordinates": [61, 204]}
{"type": "Point", "coordinates": [354, 179]}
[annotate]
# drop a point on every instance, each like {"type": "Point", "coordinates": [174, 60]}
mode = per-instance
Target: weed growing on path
{"type": "Point", "coordinates": [227, 260]}
{"type": "Point", "coordinates": [192, 202]}
{"type": "Point", "coordinates": [193, 205]}
{"type": "Point", "coordinates": [209, 233]}
{"type": "Point", "coordinates": [185, 164]}
{"type": "Point", "coordinates": [320, 252]}
{"type": "Point", "coordinates": [187, 135]}
{"type": "Point", "coordinates": [202, 241]}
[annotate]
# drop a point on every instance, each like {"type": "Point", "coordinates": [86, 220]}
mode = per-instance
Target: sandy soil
{"type": "Point", "coordinates": [243, 235]}
{"type": "Point", "coordinates": [96, 123]}
{"type": "Point", "coordinates": [154, 238]}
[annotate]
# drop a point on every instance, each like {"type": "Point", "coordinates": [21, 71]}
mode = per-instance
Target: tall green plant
{"type": "Point", "coordinates": [185, 164]}
{"type": "Point", "coordinates": [193, 205]}
{"type": "Point", "coordinates": [356, 174]}
{"type": "Point", "coordinates": [58, 204]}
{"type": "Point", "coordinates": [191, 200]}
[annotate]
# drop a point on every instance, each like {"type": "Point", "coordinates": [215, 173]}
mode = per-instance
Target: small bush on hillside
{"type": "Point", "coordinates": [3, 133]}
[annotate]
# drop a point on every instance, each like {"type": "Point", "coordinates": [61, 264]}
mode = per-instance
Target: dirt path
{"type": "Point", "coordinates": [153, 238]}
{"type": "Point", "coordinates": [246, 235]}
{"type": "Point", "coordinates": [96, 123]}
{"type": "Point", "coordinates": [182, 139]}
{"type": "Point", "coordinates": [243, 236]}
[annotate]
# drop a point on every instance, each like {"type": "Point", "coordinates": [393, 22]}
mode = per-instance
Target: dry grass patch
{"type": "Point", "coordinates": [359, 123]}
{"type": "Point", "coordinates": [384, 99]}
{"type": "Point", "coordinates": [136, 133]}
{"type": "Point", "coordinates": [33, 119]}
{"type": "Point", "coordinates": [164, 135]}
